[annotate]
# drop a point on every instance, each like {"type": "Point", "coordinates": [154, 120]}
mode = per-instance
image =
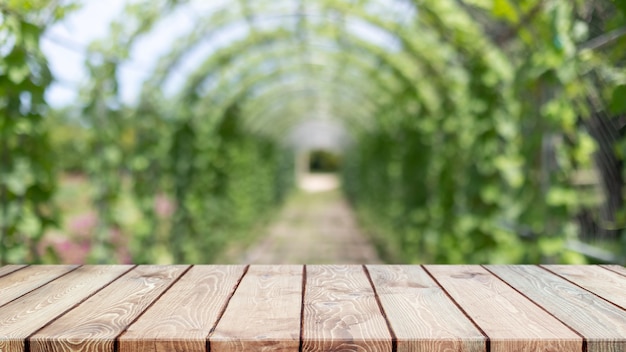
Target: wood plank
{"type": "Point", "coordinates": [24, 316]}
{"type": "Point", "coordinates": [7, 269]}
{"type": "Point", "coordinates": [95, 323]}
{"type": "Point", "coordinates": [602, 324]}
{"type": "Point", "coordinates": [23, 281]}
{"type": "Point", "coordinates": [182, 318]}
{"type": "Point", "coordinates": [510, 320]}
{"type": "Point", "coordinates": [264, 312]}
{"type": "Point", "coordinates": [341, 312]}
{"type": "Point", "coordinates": [421, 315]}
{"type": "Point", "coordinates": [604, 283]}
{"type": "Point", "coordinates": [616, 268]}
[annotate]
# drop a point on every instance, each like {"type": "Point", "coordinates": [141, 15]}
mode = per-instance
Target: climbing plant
{"type": "Point", "coordinates": [466, 122]}
{"type": "Point", "coordinates": [27, 177]}
{"type": "Point", "coordinates": [499, 186]}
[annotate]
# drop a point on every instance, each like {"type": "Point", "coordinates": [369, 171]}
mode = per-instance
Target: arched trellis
{"type": "Point", "coordinates": [226, 17]}
{"type": "Point", "coordinates": [440, 87]}
{"type": "Point", "coordinates": [255, 39]}
{"type": "Point", "coordinates": [408, 83]}
{"type": "Point", "coordinates": [248, 81]}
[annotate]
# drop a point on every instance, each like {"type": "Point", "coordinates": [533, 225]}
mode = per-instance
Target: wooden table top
{"type": "Point", "coordinates": [127, 308]}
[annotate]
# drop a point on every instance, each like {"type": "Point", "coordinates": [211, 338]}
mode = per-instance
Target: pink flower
{"type": "Point", "coordinates": [164, 207]}
{"type": "Point", "coordinates": [72, 253]}
{"type": "Point", "coordinates": [83, 225]}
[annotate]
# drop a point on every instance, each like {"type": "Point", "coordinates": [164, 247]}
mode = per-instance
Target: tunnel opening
{"type": "Point", "coordinates": [324, 161]}
{"type": "Point", "coordinates": [318, 170]}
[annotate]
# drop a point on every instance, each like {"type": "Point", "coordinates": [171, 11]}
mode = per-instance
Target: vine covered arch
{"type": "Point", "coordinates": [466, 120]}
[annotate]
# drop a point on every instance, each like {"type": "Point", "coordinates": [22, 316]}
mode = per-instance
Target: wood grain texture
{"type": "Point", "coordinates": [178, 308]}
{"type": "Point", "coordinates": [7, 269]}
{"type": "Point", "coordinates": [264, 312]}
{"type": "Point", "coordinates": [94, 324]}
{"type": "Point", "coordinates": [616, 268]}
{"type": "Point", "coordinates": [182, 318]}
{"type": "Point", "coordinates": [604, 283]}
{"type": "Point", "coordinates": [21, 318]}
{"type": "Point", "coordinates": [602, 324]}
{"type": "Point", "coordinates": [422, 316]}
{"type": "Point", "coordinates": [23, 281]}
{"type": "Point", "coordinates": [341, 312]}
{"type": "Point", "coordinates": [511, 321]}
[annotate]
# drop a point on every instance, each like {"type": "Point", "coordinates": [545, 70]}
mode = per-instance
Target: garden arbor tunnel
{"type": "Point", "coordinates": [286, 61]}
{"type": "Point", "coordinates": [445, 109]}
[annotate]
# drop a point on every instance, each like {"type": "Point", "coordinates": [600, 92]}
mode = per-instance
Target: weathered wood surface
{"type": "Point", "coordinates": [95, 323]}
{"type": "Point", "coordinates": [182, 318]}
{"type": "Point", "coordinates": [604, 283]}
{"type": "Point", "coordinates": [7, 269]}
{"type": "Point", "coordinates": [26, 315]}
{"type": "Point", "coordinates": [341, 312]}
{"type": "Point", "coordinates": [28, 279]}
{"type": "Point", "coordinates": [511, 321]}
{"type": "Point", "coordinates": [312, 308]}
{"type": "Point", "coordinates": [602, 324]}
{"type": "Point", "coordinates": [618, 269]}
{"type": "Point", "coordinates": [420, 313]}
{"type": "Point", "coordinates": [264, 312]}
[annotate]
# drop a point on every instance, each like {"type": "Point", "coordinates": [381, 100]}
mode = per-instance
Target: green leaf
{"type": "Point", "coordinates": [18, 69]}
{"type": "Point", "coordinates": [30, 226]}
{"type": "Point", "coordinates": [30, 35]}
{"type": "Point", "coordinates": [618, 101]}
{"type": "Point", "coordinates": [18, 73]}
{"type": "Point", "coordinates": [20, 179]}
{"type": "Point", "coordinates": [559, 196]}
{"type": "Point", "coordinates": [551, 245]}
{"type": "Point", "coordinates": [503, 9]}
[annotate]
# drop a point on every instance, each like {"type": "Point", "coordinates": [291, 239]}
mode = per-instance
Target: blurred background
{"type": "Point", "coordinates": [312, 131]}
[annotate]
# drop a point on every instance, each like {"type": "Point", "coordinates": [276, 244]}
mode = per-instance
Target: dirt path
{"type": "Point", "coordinates": [316, 226]}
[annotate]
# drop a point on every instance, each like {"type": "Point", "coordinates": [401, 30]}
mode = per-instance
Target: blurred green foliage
{"type": "Point", "coordinates": [222, 182]}
{"type": "Point", "coordinates": [464, 140]}
{"type": "Point", "coordinates": [490, 180]}
{"type": "Point", "coordinates": [27, 178]}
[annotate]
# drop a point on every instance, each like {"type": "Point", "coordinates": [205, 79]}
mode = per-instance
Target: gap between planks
{"type": "Point", "coordinates": [465, 313]}
{"type": "Point", "coordinates": [584, 339]}
{"type": "Point", "coordinates": [394, 338]}
{"type": "Point", "coordinates": [116, 340]}
{"type": "Point", "coordinates": [601, 323]}
{"type": "Point", "coordinates": [600, 288]}
{"type": "Point", "coordinates": [28, 279]}
{"type": "Point", "coordinates": [27, 340]}
{"type": "Point", "coordinates": [219, 338]}
{"type": "Point", "coordinates": [8, 269]}
{"type": "Point", "coordinates": [550, 271]}
{"type": "Point", "coordinates": [300, 345]}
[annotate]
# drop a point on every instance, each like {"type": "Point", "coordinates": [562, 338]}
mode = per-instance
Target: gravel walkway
{"type": "Point", "coordinates": [316, 226]}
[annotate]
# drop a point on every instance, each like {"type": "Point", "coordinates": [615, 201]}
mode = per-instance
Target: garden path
{"type": "Point", "coordinates": [316, 226]}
